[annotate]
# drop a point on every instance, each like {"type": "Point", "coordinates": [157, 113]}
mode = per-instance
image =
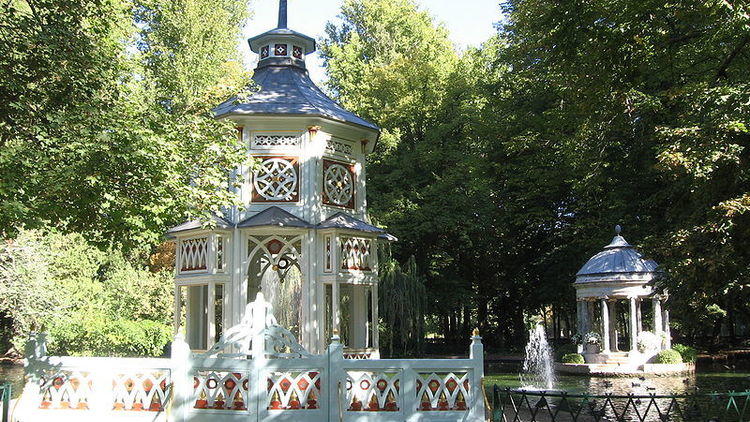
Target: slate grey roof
{"type": "Point", "coordinates": [276, 217]}
{"type": "Point", "coordinates": [221, 223]}
{"type": "Point", "coordinates": [389, 237]}
{"type": "Point", "coordinates": [342, 220]}
{"type": "Point", "coordinates": [619, 257]}
{"type": "Point", "coordinates": [289, 90]}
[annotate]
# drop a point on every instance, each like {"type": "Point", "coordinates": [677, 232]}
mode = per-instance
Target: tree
{"type": "Point", "coordinates": [105, 120]}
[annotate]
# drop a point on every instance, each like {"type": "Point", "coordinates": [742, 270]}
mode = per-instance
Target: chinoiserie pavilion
{"type": "Point", "coordinates": [303, 238]}
{"type": "Point", "coordinates": [617, 282]}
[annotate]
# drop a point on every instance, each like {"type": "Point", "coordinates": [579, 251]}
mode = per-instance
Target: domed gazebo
{"type": "Point", "coordinates": [615, 275]}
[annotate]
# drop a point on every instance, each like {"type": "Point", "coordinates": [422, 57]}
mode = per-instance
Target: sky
{"type": "Point", "coordinates": [470, 22]}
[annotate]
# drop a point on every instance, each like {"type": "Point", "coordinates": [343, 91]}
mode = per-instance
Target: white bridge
{"type": "Point", "coordinates": [257, 372]}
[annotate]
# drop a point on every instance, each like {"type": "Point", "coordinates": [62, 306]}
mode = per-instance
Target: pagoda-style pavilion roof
{"type": "Point", "coordinates": [345, 221]}
{"type": "Point", "coordinates": [219, 222]}
{"type": "Point", "coordinates": [274, 217]}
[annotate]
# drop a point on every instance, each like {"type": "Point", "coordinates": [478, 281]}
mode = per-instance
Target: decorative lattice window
{"type": "Point", "coordinates": [194, 254]}
{"type": "Point", "coordinates": [443, 391]}
{"type": "Point", "coordinates": [265, 52]}
{"type": "Point", "coordinates": [356, 254]}
{"type": "Point", "coordinates": [277, 180]}
{"type": "Point", "coordinates": [280, 50]}
{"type": "Point", "coordinates": [297, 52]}
{"type": "Point", "coordinates": [334, 146]}
{"type": "Point", "coordinates": [329, 255]}
{"type": "Point", "coordinates": [338, 184]}
{"type": "Point", "coordinates": [265, 141]}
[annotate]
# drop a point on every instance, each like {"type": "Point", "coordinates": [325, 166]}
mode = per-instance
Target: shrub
{"type": "Point", "coordinates": [688, 353]}
{"type": "Point", "coordinates": [97, 335]}
{"type": "Point", "coordinates": [576, 358]}
{"type": "Point", "coordinates": [668, 356]}
{"type": "Point", "coordinates": [564, 349]}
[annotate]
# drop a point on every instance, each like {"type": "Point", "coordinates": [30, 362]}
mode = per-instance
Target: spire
{"type": "Point", "coordinates": [282, 14]}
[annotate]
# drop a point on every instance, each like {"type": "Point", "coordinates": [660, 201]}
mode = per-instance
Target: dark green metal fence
{"type": "Point", "coordinates": [5, 399]}
{"type": "Point", "coordinates": [552, 406]}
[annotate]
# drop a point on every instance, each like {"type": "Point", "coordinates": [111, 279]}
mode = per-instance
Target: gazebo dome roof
{"type": "Point", "coordinates": [619, 257]}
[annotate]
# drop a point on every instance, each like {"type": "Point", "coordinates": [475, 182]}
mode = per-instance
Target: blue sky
{"type": "Point", "coordinates": [470, 21]}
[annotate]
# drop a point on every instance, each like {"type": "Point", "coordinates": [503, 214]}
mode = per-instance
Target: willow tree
{"type": "Point", "coordinates": [402, 306]}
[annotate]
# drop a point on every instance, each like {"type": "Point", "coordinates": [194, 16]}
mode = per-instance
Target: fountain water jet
{"type": "Point", "coordinates": [538, 371]}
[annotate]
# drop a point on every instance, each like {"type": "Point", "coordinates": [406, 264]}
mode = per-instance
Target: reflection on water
{"type": "Point", "coordinates": [14, 375]}
{"type": "Point", "coordinates": [704, 382]}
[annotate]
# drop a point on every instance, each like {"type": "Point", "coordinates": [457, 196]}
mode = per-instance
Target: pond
{"type": "Point", "coordinates": [14, 375]}
{"type": "Point", "coordinates": [706, 380]}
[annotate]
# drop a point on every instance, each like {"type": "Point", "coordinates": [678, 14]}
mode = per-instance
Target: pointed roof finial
{"type": "Point", "coordinates": [282, 13]}
{"type": "Point", "coordinates": [618, 229]}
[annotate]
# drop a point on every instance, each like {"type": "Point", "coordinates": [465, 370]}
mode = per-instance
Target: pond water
{"type": "Point", "coordinates": [14, 375]}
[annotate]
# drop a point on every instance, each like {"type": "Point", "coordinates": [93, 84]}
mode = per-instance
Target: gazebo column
{"type": "Point", "coordinates": [613, 326]}
{"type": "Point", "coordinates": [633, 325]}
{"type": "Point", "coordinates": [605, 326]}
{"type": "Point", "coordinates": [639, 315]}
{"type": "Point", "coordinates": [658, 321]}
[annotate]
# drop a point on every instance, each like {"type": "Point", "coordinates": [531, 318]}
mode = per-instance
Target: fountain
{"type": "Point", "coordinates": [538, 370]}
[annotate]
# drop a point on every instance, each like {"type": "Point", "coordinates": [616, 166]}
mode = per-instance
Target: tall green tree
{"type": "Point", "coordinates": [105, 121]}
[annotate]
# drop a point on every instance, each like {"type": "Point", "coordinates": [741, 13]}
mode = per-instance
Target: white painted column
{"type": "Point", "coordinates": [605, 325]}
{"type": "Point", "coordinates": [177, 308]}
{"type": "Point", "coordinates": [211, 315]}
{"type": "Point", "coordinates": [639, 314]}
{"type": "Point", "coordinates": [336, 308]}
{"type": "Point", "coordinates": [613, 326]}
{"type": "Point", "coordinates": [633, 325]}
{"type": "Point", "coordinates": [658, 322]}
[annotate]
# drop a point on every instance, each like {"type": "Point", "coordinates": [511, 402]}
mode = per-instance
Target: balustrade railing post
{"type": "Point", "coordinates": [102, 399]}
{"type": "Point", "coordinates": [409, 399]}
{"type": "Point", "coordinates": [336, 375]}
{"type": "Point", "coordinates": [182, 384]}
{"type": "Point", "coordinates": [476, 354]}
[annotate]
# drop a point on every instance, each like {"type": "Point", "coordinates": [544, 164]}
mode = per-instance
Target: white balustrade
{"type": "Point", "coordinates": [268, 379]}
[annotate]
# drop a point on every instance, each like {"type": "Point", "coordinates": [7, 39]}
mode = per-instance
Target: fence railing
{"type": "Point", "coordinates": [260, 388]}
{"type": "Point", "coordinates": [5, 392]}
{"type": "Point", "coordinates": [549, 406]}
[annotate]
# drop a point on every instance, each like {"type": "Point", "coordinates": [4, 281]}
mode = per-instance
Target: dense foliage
{"type": "Point", "coordinates": [688, 353]}
{"type": "Point", "coordinates": [574, 358]}
{"type": "Point", "coordinates": [668, 357]}
{"type": "Point", "coordinates": [105, 123]}
{"type": "Point", "coordinates": [92, 302]}
{"type": "Point", "coordinates": [523, 154]}
{"type": "Point", "coordinates": [106, 140]}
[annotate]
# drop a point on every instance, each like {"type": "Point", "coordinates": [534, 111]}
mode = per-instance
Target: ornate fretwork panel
{"type": "Point", "coordinates": [328, 254]}
{"type": "Point", "coordinates": [141, 391]}
{"type": "Point", "coordinates": [293, 390]}
{"type": "Point", "coordinates": [193, 254]}
{"type": "Point", "coordinates": [276, 180]}
{"type": "Point", "coordinates": [221, 390]}
{"type": "Point", "coordinates": [338, 146]}
{"type": "Point", "coordinates": [373, 391]}
{"type": "Point", "coordinates": [338, 184]}
{"type": "Point", "coordinates": [443, 391]}
{"type": "Point", "coordinates": [268, 141]}
{"type": "Point", "coordinates": [356, 254]}
{"type": "Point", "coordinates": [66, 390]}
